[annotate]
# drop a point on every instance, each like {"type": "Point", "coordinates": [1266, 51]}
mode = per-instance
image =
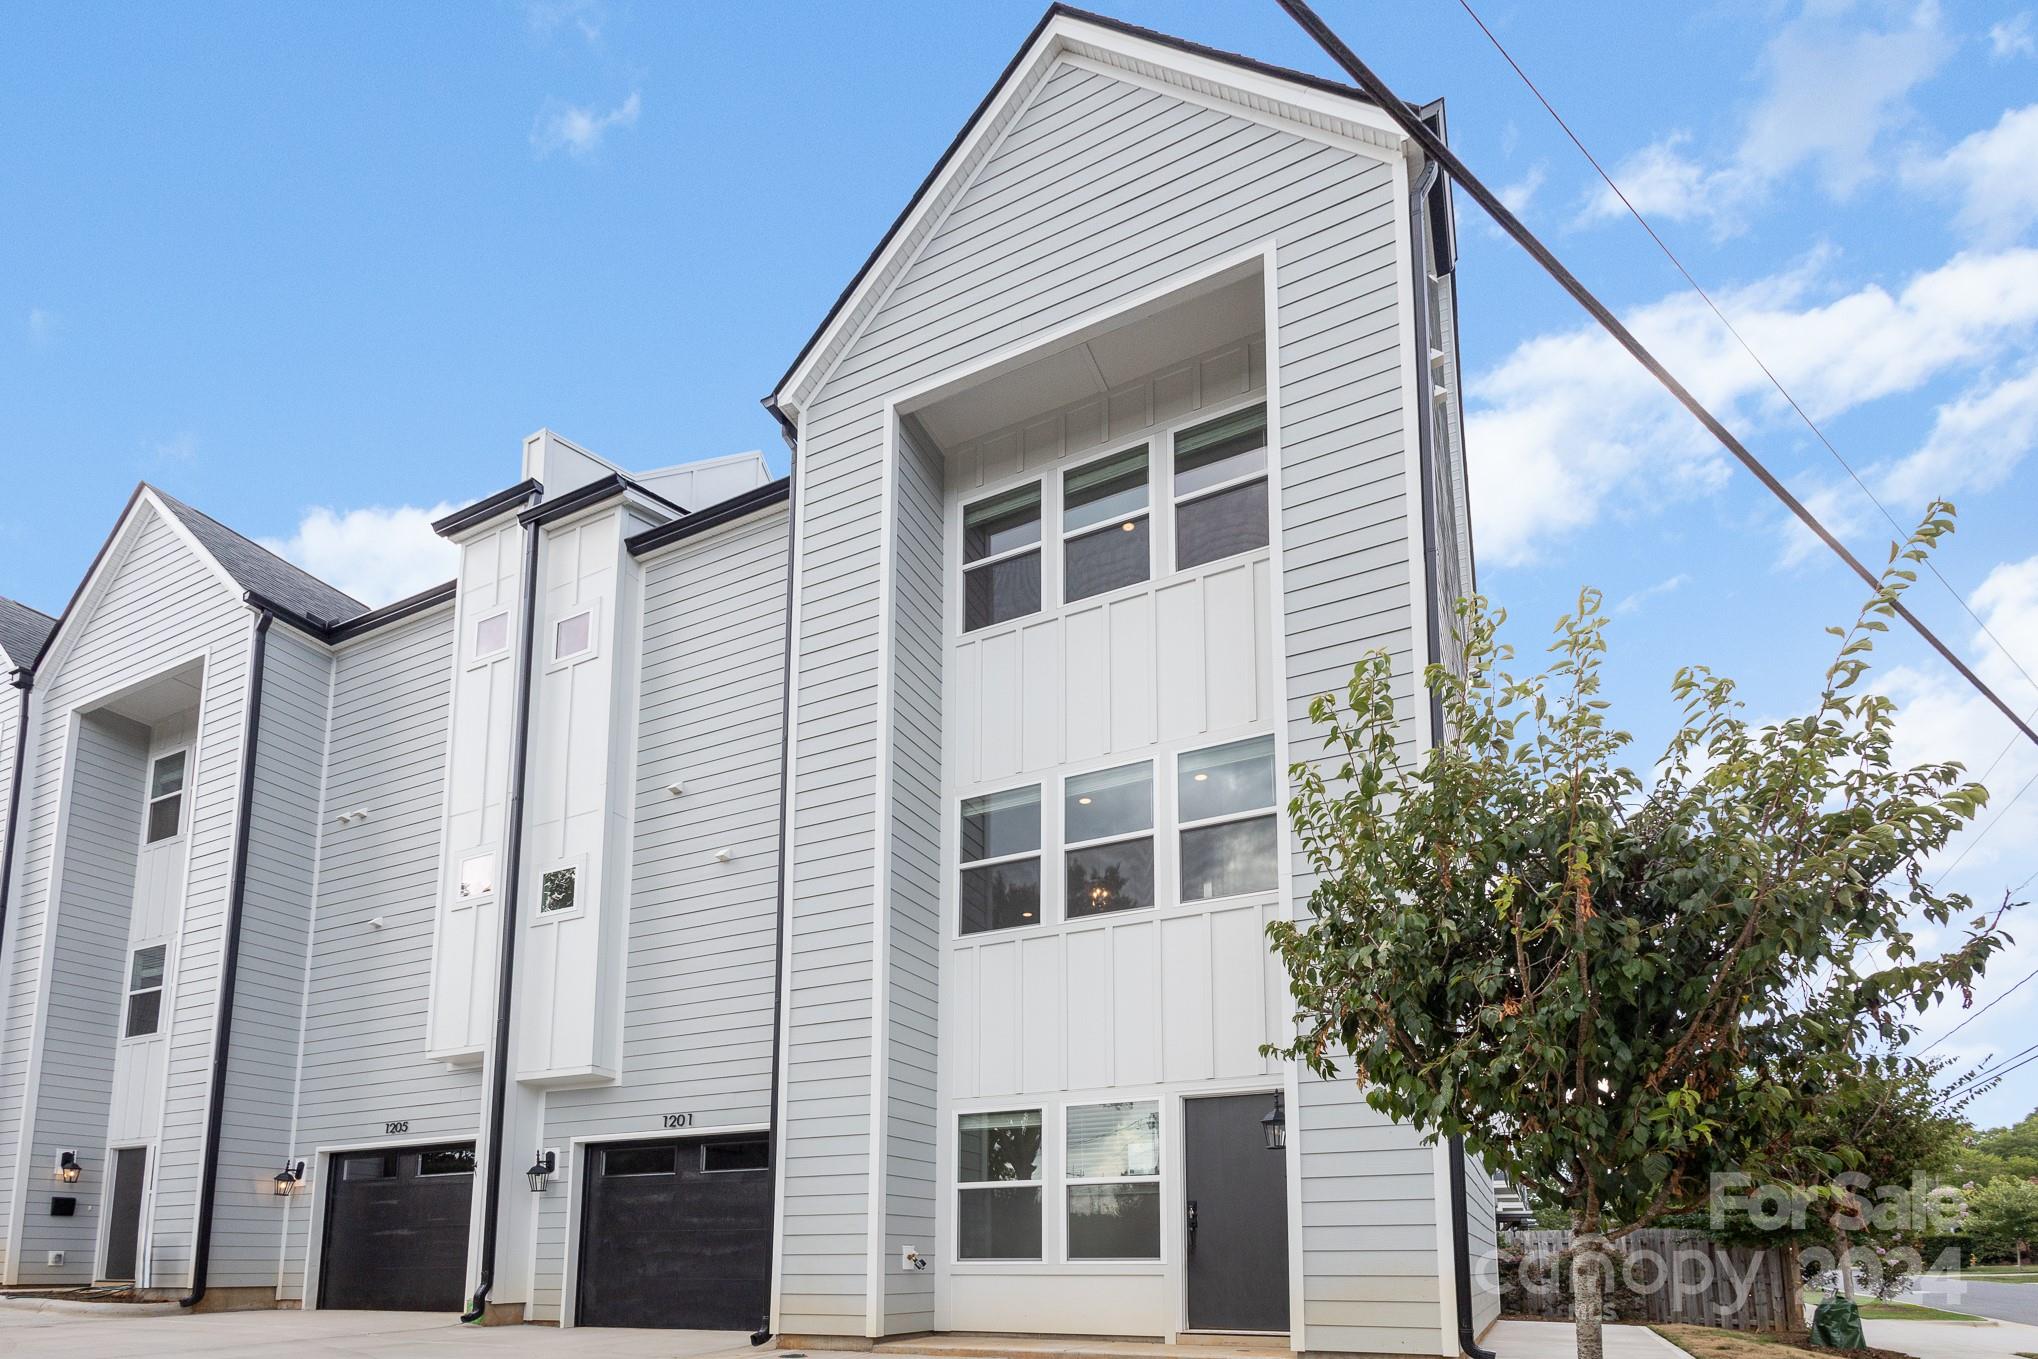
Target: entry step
{"type": "Point", "coordinates": [1077, 1347]}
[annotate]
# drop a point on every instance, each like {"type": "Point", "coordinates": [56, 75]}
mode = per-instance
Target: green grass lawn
{"type": "Point", "coordinates": [1871, 1310]}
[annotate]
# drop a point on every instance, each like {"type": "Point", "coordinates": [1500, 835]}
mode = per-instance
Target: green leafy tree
{"type": "Point", "coordinates": [2002, 1215]}
{"type": "Point", "coordinates": [1997, 1152]}
{"type": "Point", "coordinates": [1616, 990]}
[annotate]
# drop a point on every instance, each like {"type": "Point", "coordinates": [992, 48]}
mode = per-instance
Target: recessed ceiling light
{"type": "Point", "coordinates": [1083, 801]}
{"type": "Point", "coordinates": [1201, 777]}
{"type": "Point", "coordinates": [1127, 526]}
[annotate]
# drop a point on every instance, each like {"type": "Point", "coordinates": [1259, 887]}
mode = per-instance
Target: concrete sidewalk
{"type": "Point", "coordinates": [1556, 1340]}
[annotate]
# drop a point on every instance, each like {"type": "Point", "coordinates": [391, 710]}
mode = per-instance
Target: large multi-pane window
{"type": "Point", "coordinates": [998, 1178]}
{"type": "Point", "coordinates": [1001, 558]}
{"type": "Point", "coordinates": [1220, 488]}
{"type": "Point", "coordinates": [1000, 851]}
{"type": "Point", "coordinates": [1114, 1181]}
{"type": "Point", "coordinates": [1104, 525]}
{"type": "Point", "coordinates": [1224, 802]}
{"type": "Point", "coordinates": [1107, 831]}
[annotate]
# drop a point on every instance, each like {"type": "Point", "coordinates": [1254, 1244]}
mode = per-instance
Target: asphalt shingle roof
{"type": "Point", "coordinates": [262, 571]}
{"type": "Point", "coordinates": [22, 631]}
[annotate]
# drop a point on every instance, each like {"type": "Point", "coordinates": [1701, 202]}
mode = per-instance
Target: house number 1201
{"type": "Point", "coordinates": [677, 1120]}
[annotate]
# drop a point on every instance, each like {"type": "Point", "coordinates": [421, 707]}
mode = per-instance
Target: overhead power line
{"type": "Point", "coordinates": [1978, 1013]}
{"type": "Point", "coordinates": [1734, 331]}
{"type": "Point", "coordinates": [1433, 145]}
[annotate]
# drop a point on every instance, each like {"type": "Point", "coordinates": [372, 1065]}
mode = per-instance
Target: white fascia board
{"type": "Point", "coordinates": [1260, 95]}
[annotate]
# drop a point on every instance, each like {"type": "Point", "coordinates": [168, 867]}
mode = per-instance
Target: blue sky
{"type": "Point", "coordinates": [318, 269]}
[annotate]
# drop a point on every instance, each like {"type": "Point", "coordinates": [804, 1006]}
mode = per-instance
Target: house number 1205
{"type": "Point", "coordinates": [677, 1120]}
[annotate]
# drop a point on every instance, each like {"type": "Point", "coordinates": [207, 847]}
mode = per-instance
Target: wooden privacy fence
{"type": "Point", "coordinates": [1667, 1276]}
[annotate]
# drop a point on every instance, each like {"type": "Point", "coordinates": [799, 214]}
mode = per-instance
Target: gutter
{"type": "Point", "coordinates": [512, 864]}
{"type": "Point", "coordinates": [775, 1137]}
{"type": "Point", "coordinates": [700, 521]}
{"type": "Point", "coordinates": [24, 680]}
{"type": "Point", "coordinates": [1418, 226]}
{"type": "Point", "coordinates": [230, 962]}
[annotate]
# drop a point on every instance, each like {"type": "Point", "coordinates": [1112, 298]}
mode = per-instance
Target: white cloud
{"type": "Point", "coordinates": [42, 326]}
{"type": "Point", "coordinates": [179, 447]}
{"type": "Point", "coordinates": [1568, 425]}
{"type": "Point", "coordinates": [578, 130]}
{"type": "Point", "coordinates": [376, 555]}
{"type": "Point", "coordinates": [2016, 36]}
{"type": "Point", "coordinates": [1993, 173]}
{"type": "Point", "coordinates": [1833, 91]}
{"type": "Point", "coordinates": [1661, 181]}
{"type": "Point", "coordinates": [546, 17]}
{"type": "Point", "coordinates": [1634, 602]}
{"type": "Point", "coordinates": [1518, 195]}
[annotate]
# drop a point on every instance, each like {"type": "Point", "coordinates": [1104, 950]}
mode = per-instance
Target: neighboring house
{"type": "Point", "coordinates": [833, 904]}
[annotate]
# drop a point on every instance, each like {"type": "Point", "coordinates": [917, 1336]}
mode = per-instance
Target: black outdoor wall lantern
{"type": "Point", "coordinates": [1275, 1124]}
{"type": "Point", "coordinates": [541, 1171]}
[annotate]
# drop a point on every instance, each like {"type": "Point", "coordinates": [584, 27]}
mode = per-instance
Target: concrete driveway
{"type": "Point", "coordinates": [48, 1334]}
{"type": "Point", "coordinates": [1974, 1293]}
{"type": "Point", "coordinates": [1953, 1339]}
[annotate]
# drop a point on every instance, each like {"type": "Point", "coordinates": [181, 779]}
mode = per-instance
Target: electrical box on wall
{"type": "Point", "coordinates": [64, 1205]}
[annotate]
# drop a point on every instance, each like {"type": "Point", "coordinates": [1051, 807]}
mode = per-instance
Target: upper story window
{"type": "Point", "coordinates": [145, 991]}
{"type": "Point", "coordinates": [558, 889]}
{"type": "Point", "coordinates": [477, 876]}
{"type": "Point", "coordinates": [998, 1177]}
{"type": "Point", "coordinates": [1220, 488]}
{"type": "Point", "coordinates": [166, 797]}
{"type": "Point", "coordinates": [491, 636]}
{"type": "Point", "coordinates": [1229, 834]}
{"type": "Point", "coordinates": [1000, 860]}
{"type": "Point", "coordinates": [1107, 826]}
{"type": "Point", "coordinates": [573, 636]}
{"type": "Point", "coordinates": [1104, 525]}
{"type": "Point", "coordinates": [1001, 558]}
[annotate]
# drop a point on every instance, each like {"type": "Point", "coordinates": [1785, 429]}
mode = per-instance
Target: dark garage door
{"type": "Point", "coordinates": [396, 1229]}
{"type": "Point", "coordinates": [676, 1234]}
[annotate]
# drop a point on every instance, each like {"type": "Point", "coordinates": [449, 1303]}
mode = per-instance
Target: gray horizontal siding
{"type": "Point", "coordinates": [276, 913]}
{"type": "Point", "coordinates": [363, 1060]}
{"type": "Point", "coordinates": [1100, 190]}
{"type": "Point", "coordinates": [158, 606]}
{"type": "Point", "coordinates": [697, 1016]}
{"type": "Point", "coordinates": [102, 837]}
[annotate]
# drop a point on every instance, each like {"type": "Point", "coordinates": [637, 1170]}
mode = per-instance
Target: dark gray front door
{"type": "Point", "coordinates": [1238, 1217]}
{"type": "Point", "coordinates": [124, 1213]}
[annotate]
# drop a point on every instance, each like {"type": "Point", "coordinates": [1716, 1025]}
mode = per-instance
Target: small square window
{"type": "Point", "coordinates": [658, 1159]}
{"type": "Point", "coordinates": [446, 1161]}
{"type": "Point", "coordinates": [374, 1166]}
{"type": "Point", "coordinates": [491, 635]}
{"type": "Point", "coordinates": [168, 775]}
{"type": "Point", "coordinates": [558, 889]}
{"type": "Point", "coordinates": [477, 876]}
{"type": "Point", "coordinates": [1226, 779]}
{"type": "Point", "coordinates": [573, 635]}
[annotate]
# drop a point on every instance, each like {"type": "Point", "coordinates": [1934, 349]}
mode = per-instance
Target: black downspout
{"type": "Point", "coordinates": [229, 967]}
{"type": "Point", "coordinates": [762, 1335]}
{"type": "Point", "coordinates": [23, 679]}
{"type": "Point", "coordinates": [512, 869]}
{"type": "Point", "coordinates": [1418, 221]}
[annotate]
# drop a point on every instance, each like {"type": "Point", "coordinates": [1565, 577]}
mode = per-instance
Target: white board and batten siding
{"type": "Point", "coordinates": [155, 605]}
{"type": "Point", "coordinates": [1090, 189]}
{"type": "Point", "coordinates": [364, 1063]}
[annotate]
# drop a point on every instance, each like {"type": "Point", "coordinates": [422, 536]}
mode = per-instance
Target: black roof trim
{"type": "Point", "coordinates": [1055, 11]}
{"type": "Point", "coordinates": [594, 493]}
{"type": "Point", "coordinates": [488, 507]}
{"type": "Point", "coordinates": [403, 608]}
{"type": "Point", "coordinates": [735, 507]}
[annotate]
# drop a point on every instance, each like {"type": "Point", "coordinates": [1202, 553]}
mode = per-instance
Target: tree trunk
{"type": "Point", "coordinates": [1588, 1273]}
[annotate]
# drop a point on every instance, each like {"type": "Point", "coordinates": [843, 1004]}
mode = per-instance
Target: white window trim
{"type": "Point", "coordinates": [129, 991]}
{"type": "Point", "coordinates": [476, 657]}
{"type": "Point", "coordinates": [1152, 832]}
{"type": "Point", "coordinates": [962, 865]}
{"type": "Point", "coordinates": [1175, 502]}
{"type": "Point", "coordinates": [1069, 1181]}
{"type": "Point", "coordinates": [554, 660]}
{"type": "Point", "coordinates": [150, 799]}
{"type": "Point", "coordinates": [1068, 534]}
{"type": "Point", "coordinates": [1038, 545]}
{"type": "Point", "coordinates": [461, 901]}
{"type": "Point", "coordinates": [1160, 459]}
{"type": "Point", "coordinates": [1180, 825]}
{"type": "Point", "coordinates": [582, 885]}
{"type": "Point", "coordinates": [1044, 1178]}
